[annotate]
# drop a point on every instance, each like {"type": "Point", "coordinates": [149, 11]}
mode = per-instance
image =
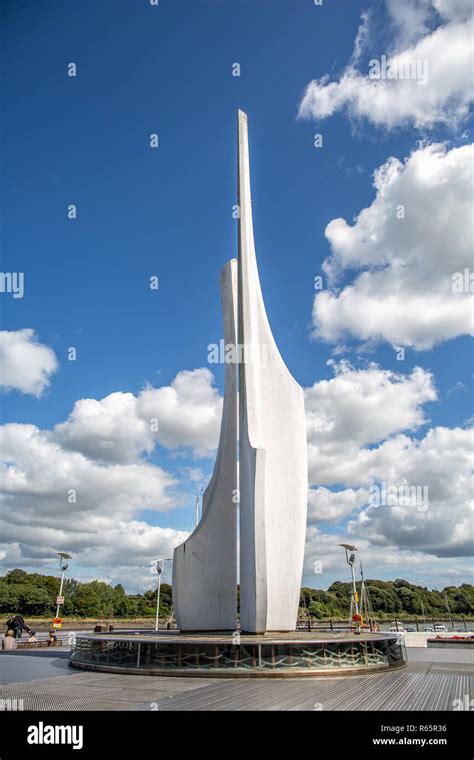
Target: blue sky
{"type": "Point", "coordinates": [141, 212]}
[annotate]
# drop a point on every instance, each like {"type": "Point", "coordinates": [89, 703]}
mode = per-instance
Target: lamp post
{"type": "Point", "coordinates": [159, 569]}
{"type": "Point", "coordinates": [63, 566]}
{"type": "Point", "coordinates": [350, 559]}
{"type": "Point", "coordinates": [196, 507]}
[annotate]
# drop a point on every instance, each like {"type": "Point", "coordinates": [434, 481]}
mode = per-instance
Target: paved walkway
{"type": "Point", "coordinates": [432, 681]}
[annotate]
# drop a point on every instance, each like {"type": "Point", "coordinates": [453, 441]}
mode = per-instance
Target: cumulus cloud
{"type": "Point", "coordinates": [27, 364]}
{"type": "Point", "coordinates": [390, 277]}
{"type": "Point", "coordinates": [188, 411]}
{"type": "Point", "coordinates": [357, 425]}
{"type": "Point", "coordinates": [183, 415]}
{"type": "Point", "coordinates": [109, 430]}
{"type": "Point", "coordinates": [110, 550]}
{"type": "Point", "coordinates": [442, 464]}
{"type": "Point", "coordinates": [331, 506]}
{"type": "Point", "coordinates": [438, 32]}
{"type": "Point", "coordinates": [84, 485]}
{"type": "Point", "coordinates": [357, 405]}
{"type": "Point", "coordinates": [56, 499]}
{"type": "Point", "coordinates": [410, 19]}
{"type": "Point", "coordinates": [346, 417]}
{"type": "Point", "coordinates": [37, 476]}
{"type": "Point", "coordinates": [324, 561]}
{"type": "Point", "coordinates": [407, 246]}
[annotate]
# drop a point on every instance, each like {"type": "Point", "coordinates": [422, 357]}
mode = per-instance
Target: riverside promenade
{"type": "Point", "coordinates": [42, 679]}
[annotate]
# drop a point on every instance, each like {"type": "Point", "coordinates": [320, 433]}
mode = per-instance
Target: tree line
{"type": "Point", "coordinates": [390, 598]}
{"type": "Point", "coordinates": [33, 594]}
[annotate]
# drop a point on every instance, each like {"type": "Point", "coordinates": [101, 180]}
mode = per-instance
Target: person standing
{"type": "Point", "coordinates": [17, 625]}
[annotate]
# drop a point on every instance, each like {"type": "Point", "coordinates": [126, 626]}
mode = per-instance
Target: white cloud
{"type": "Point", "coordinates": [357, 409]}
{"type": "Point", "coordinates": [452, 9]}
{"type": "Point", "coordinates": [103, 542]}
{"type": "Point", "coordinates": [404, 293]}
{"type": "Point", "coordinates": [193, 474]}
{"type": "Point", "coordinates": [110, 550]}
{"type": "Point", "coordinates": [331, 506]}
{"type": "Point", "coordinates": [356, 423]}
{"type": "Point", "coordinates": [347, 415]}
{"type": "Point", "coordinates": [97, 455]}
{"type": "Point", "coordinates": [390, 277]}
{"type": "Point", "coordinates": [109, 430]}
{"type": "Point", "coordinates": [27, 365]}
{"type": "Point", "coordinates": [448, 91]}
{"type": "Point", "coordinates": [442, 463]}
{"type": "Point", "coordinates": [363, 406]}
{"type": "Point", "coordinates": [410, 19]}
{"type": "Point", "coordinates": [183, 415]}
{"type": "Point", "coordinates": [188, 411]}
{"type": "Point", "coordinates": [37, 476]}
{"type": "Point", "coordinates": [100, 528]}
{"type": "Point", "coordinates": [325, 562]}
{"type": "Point", "coordinates": [98, 451]}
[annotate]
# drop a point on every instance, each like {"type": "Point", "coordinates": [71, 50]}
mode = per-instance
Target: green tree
{"type": "Point", "coordinates": [9, 597]}
{"type": "Point", "coordinates": [34, 600]}
{"type": "Point", "coordinates": [87, 602]}
{"type": "Point", "coordinates": [16, 576]}
{"type": "Point", "coordinates": [317, 610]}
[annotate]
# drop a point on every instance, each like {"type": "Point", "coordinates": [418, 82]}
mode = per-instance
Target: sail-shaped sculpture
{"type": "Point", "coordinates": [205, 565]}
{"type": "Point", "coordinates": [272, 469]}
{"type": "Point", "coordinates": [272, 448]}
{"type": "Point", "coordinates": [262, 454]}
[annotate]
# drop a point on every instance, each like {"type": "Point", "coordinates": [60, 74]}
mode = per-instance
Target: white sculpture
{"type": "Point", "coordinates": [273, 478]}
{"type": "Point", "coordinates": [205, 565]}
{"type": "Point", "coordinates": [272, 449]}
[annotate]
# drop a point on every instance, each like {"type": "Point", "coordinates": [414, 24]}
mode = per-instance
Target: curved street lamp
{"type": "Point", "coordinates": [159, 569]}
{"type": "Point", "coordinates": [350, 559]}
{"type": "Point", "coordinates": [62, 566]}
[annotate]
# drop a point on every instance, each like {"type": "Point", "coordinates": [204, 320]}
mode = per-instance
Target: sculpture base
{"type": "Point", "coordinates": [171, 653]}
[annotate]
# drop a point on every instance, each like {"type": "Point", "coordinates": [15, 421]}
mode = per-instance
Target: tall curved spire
{"type": "Point", "coordinates": [272, 447]}
{"type": "Point", "coordinates": [273, 480]}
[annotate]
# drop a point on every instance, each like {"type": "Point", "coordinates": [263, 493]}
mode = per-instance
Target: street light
{"type": "Point", "coordinates": [350, 559]}
{"type": "Point", "coordinates": [159, 569]}
{"type": "Point", "coordinates": [196, 507]}
{"type": "Point", "coordinates": [62, 566]}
